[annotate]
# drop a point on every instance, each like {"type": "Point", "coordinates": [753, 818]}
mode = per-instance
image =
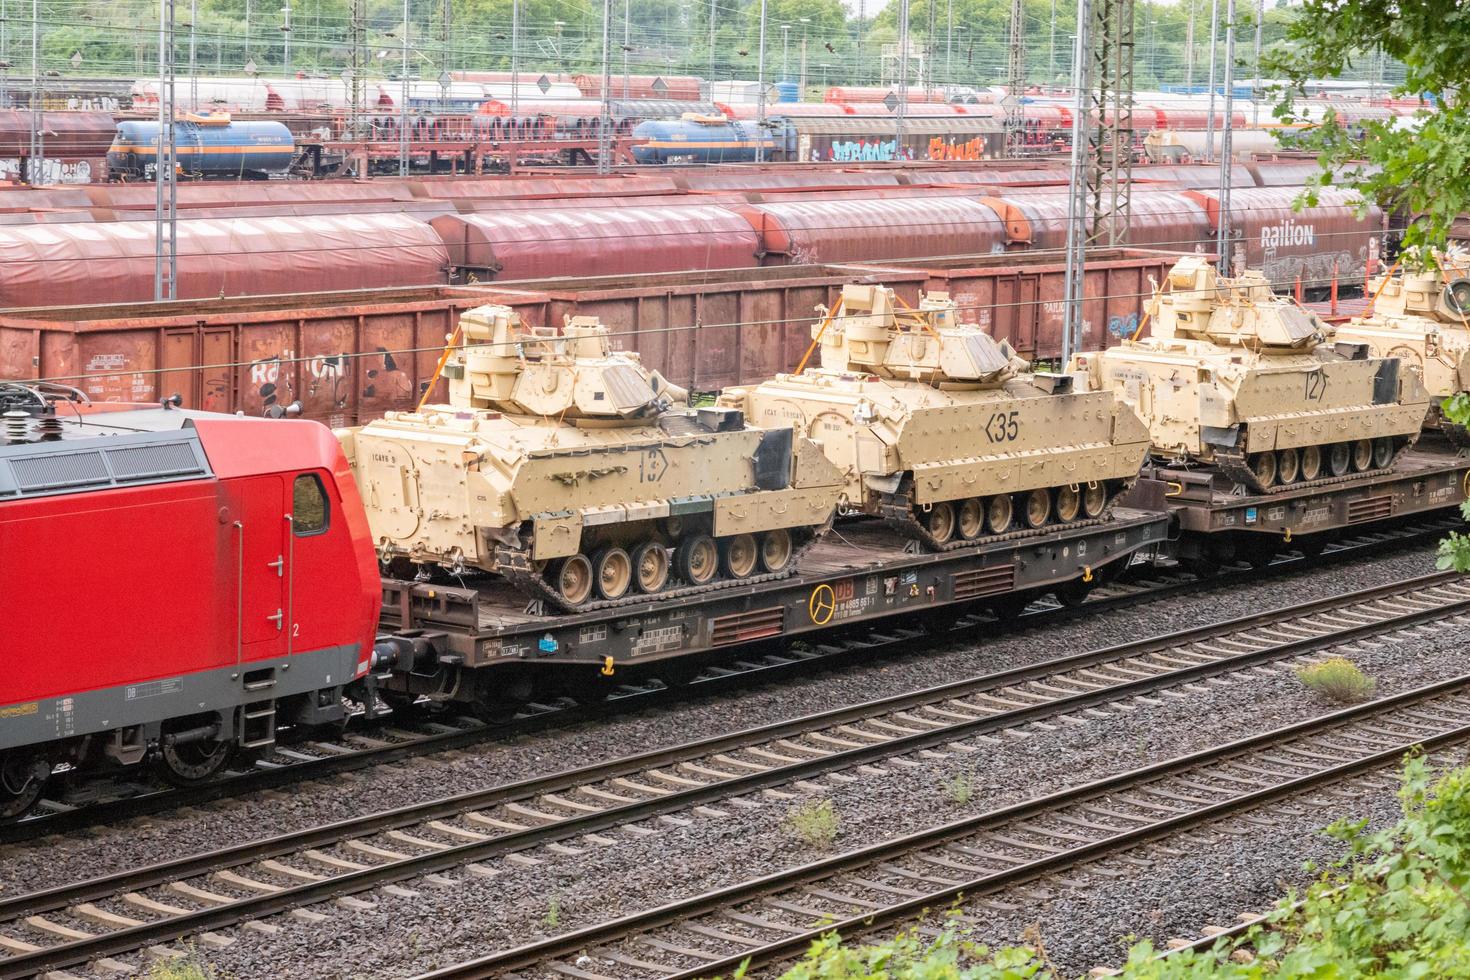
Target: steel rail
{"type": "Point", "coordinates": [531, 954]}
{"type": "Point", "coordinates": [456, 855]}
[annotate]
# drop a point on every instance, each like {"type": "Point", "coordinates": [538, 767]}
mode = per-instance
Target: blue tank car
{"type": "Point", "coordinates": [206, 146]}
{"type": "Point", "coordinates": [709, 139]}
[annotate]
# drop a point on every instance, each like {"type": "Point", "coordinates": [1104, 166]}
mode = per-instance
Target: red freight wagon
{"type": "Point", "coordinates": [198, 546]}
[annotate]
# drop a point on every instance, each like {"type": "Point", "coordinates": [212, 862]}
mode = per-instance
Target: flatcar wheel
{"type": "Point", "coordinates": [1069, 504]}
{"type": "Point", "coordinates": [1073, 593]}
{"type": "Point", "coordinates": [612, 572]}
{"type": "Point", "coordinates": [776, 550]}
{"type": "Point", "coordinates": [1339, 458]}
{"type": "Point", "coordinates": [1362, 454]}
{"type": "Point", "coordinates": [1263, 465]}
{"type": "Point", "coordinates": [1288, 465]}
{"type": "Point", "coordinates": [1382, 452]}
{"type": "Point", "coordinates": [572, 578]}
{"type": "Point", "coordinates": [971, 520]}
{"type": "Point", "coordinates": [1038, 507]}
{"type": "Point", "coordinates": [1309, 462]}
{"type": "Point", "coordinates": [651, 567]}
{"type": "Point", "coordinates": [739, 556]}
{"type": "Point", "coordinates": [192, 762]}
{"type": "Point", "coordinates": [697, 559]}
{"type": "Point", "coordinates": [1094, 499]}
{"type": "Point", "coordinates": [1000, 510]}
{"type": "Point", "coordinates": [22, 780]}
{"type": "Point", "coordinates": [940, 521]}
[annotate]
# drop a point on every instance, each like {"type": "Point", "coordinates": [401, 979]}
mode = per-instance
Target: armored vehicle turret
{"type": "Point", "coordinates": [568, 468]}
{"type": "Point", "coordinates": [941, 429]}
{"type": "Point", "coordinates": [1239, 378]}
{"type": "Point", "coordinates": [1423, 319]}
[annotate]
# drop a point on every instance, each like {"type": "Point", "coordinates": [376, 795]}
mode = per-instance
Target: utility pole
{"type": "Point", "coordinates": [1111, 171]}
{"type": "Point", "coordinates": [515, 59]}
{"type": "Point", "coordinates": [165, 174]}
{"type": "Point", "coordinates": [760, 94]}
{"type": "Point", "coordinates": [1077, 189]}
{"type": "Point", "coordinates": [711, 48]}
{"type": "Point", "coordinates": [36, 161]}
{"type": "Point", "coordinates": [862, 26]}
{"type": "Point", "coordinates": [1256, 85]}
{"type": "Point", "coordinates": [1051, 51]}
{"type": "Point", "coordinates": [627, 42]}
{"type": "Point", "coordinates": [785, 48]}
{"type": "Point", "coordinates": [1015, 81]}
{"type": "Point", "coordinates": [806, 25]}
{"type": "Point", "coordinates": [1223, 247]}
{"type": "Point", "coordinates": [900, 107]}
{"type": "Point", "coordinates": [403, 109]}
{"type": "Point", "coordinates": [193, 56]}
{"type": "Point", "coordinates": [604, 130]}
{"type": "Point", "coordinates": [1189, 49]}
{"type": "Point", "coordinates": [355, 75]}
{"type": "Point", "coordinates": [286, 38]}
{"type": "Point", "coordinates": [929, 52]}
{"type": "Point", "coordinates": [949, 42]}
{"type": "Point", "coordinates": [1210, 120]}
{"type": "Point", "coordinates": [4, 55]}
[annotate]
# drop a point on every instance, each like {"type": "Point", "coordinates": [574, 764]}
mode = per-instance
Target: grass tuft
{"type": "Point", "coordinates": [1338, 679]}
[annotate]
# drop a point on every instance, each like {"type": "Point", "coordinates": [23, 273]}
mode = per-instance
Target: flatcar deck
{"type": "Point", "coordinates": [861, 571]}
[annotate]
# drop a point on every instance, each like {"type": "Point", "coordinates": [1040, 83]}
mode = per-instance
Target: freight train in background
{"type": "Point", "coordinates": [265, 605]}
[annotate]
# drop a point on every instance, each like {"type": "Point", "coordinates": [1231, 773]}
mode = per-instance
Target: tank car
{"type": "Point", "coordinates": [192, 584]}
{"type": "Point", "coordinates": [941, 429]}
{"type": "Point", "coordinates": [1238, 378]}
{"type": "Point", "coordinates": [709, 139]}
{"type": "Point", "coordinates": [1423, 319]}
{"type": "Point", "coordinates": [567, 468]}
{"type": "Point", "coordinates": [205, 146]}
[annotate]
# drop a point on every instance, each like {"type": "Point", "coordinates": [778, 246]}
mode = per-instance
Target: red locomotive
{"type": "Point", "coordinates": [216, 581]}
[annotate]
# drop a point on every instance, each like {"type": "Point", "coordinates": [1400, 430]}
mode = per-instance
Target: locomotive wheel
{"type": "Point", "coordinates": [1068, 504]}
{"type": "Point", "coordinates": [1038, 507]}
{"type": "Point", "coordinates": [1094, 500]}
{"type": "Point", "coordinates": [1263, 465]}
{"type": "Point", "coordinates": [1382, 452]}
{"type": "Point", "coordinates": [739, 556]}
{"type": "Point", "coordinates": [971, 521]}
{"type": "Point", "coordinates": [697, 559]}
{"type": "Point", "coordinates": [572, 579]}
{"type": "Point", "coordinates": [651, 567]}
{"type": "Point", "coordinates": [776, 550]}
{"type": "Point", "coordinates": [612, 571]}
{"type": "Point", "coordinates": [1288, 465]}
{"type": "Point", "coordinates": [1339, 458]}
{"type": "Point", "coordinates": [193, 762]}
{"type": "Point", "coordinates": [1000, 510]}
{"type": "Point", "coordinates": [1362, 454]}
{"type": "Point", "coordinates": [22, 780]}
{"type": "Point", "coordinates": [940, 521]}
{"type": "Point", "coordinates": [1310, 462]}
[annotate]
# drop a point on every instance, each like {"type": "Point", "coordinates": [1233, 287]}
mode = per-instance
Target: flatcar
{"type": "Point", "coordinates": [205, 146]}
{"type": "Point", "coordinates": [192, 584]}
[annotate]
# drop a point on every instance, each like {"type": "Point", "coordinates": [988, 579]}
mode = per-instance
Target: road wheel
{"type": "Point", "coordinates": [971, 520]}
{"type": "Point", "coordinates": [572, 579]}
{"type": "Point", "coordinates": [1095, 499]}
{"type": "Point", "coordinates": [1382, 452]}
{"type": "Point", "coordinates": [650, 567]}
{"type": "Point", "coordinates": [1309, 462]}
{"type": "Point", "coordinates": [940, 521]}
{"type": "Point", "coordinates": [1068, 504]}
{"type": "Point", "coordinates": [739, 556]}
{"type": "Point", "coordinates": [1362, 454]}
{"type": "Point", "coordinates": [697, 559]}
{"type": "Point", "coordinates": [1000, 510]}
{"type": "Point", "coordinates": [1339, 458]}
{"type": "Point", "coordinates": [1288, 465]}
{"type": "Point", "coordinates": [776, 550]}
{"type": "Point", "coordinates": [1038, 507]}
{"type": "Point", "coordinates": [1263, 465]}
{"type": "Point", "coordinates": [613, 570]}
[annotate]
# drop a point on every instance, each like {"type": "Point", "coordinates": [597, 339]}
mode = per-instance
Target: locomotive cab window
{"type": "Point", "coordinates": [308, 505]}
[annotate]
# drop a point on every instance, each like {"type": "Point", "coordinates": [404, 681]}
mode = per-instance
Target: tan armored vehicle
{"type": "Point", "coordinates": [938, 427]}
{"type": "Point", "coordinates": [572, 471]}
{"type": "Point", "coordinates": [1423, 319]}
{"type": "Point", "coordinates": [1239, 378]}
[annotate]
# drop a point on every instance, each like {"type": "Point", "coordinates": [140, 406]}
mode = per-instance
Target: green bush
{"type": "Point", "coordinates": [815, 823]}
{"type": "Point", "coordinates": [1338, 679]}
{"type": "Point", "coordinates": [1396, 906]}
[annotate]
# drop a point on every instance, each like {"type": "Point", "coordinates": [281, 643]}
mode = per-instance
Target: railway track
{"type": "Point", "coordinates": [120, 913]}
{"type": "Point", "coordinates": [775, 918]}
{"type": "Point", "coordinates": [91, 805]}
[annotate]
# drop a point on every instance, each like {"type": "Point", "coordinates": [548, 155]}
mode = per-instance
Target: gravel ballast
{"type": "Point", "coordinates": [444, 923]}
